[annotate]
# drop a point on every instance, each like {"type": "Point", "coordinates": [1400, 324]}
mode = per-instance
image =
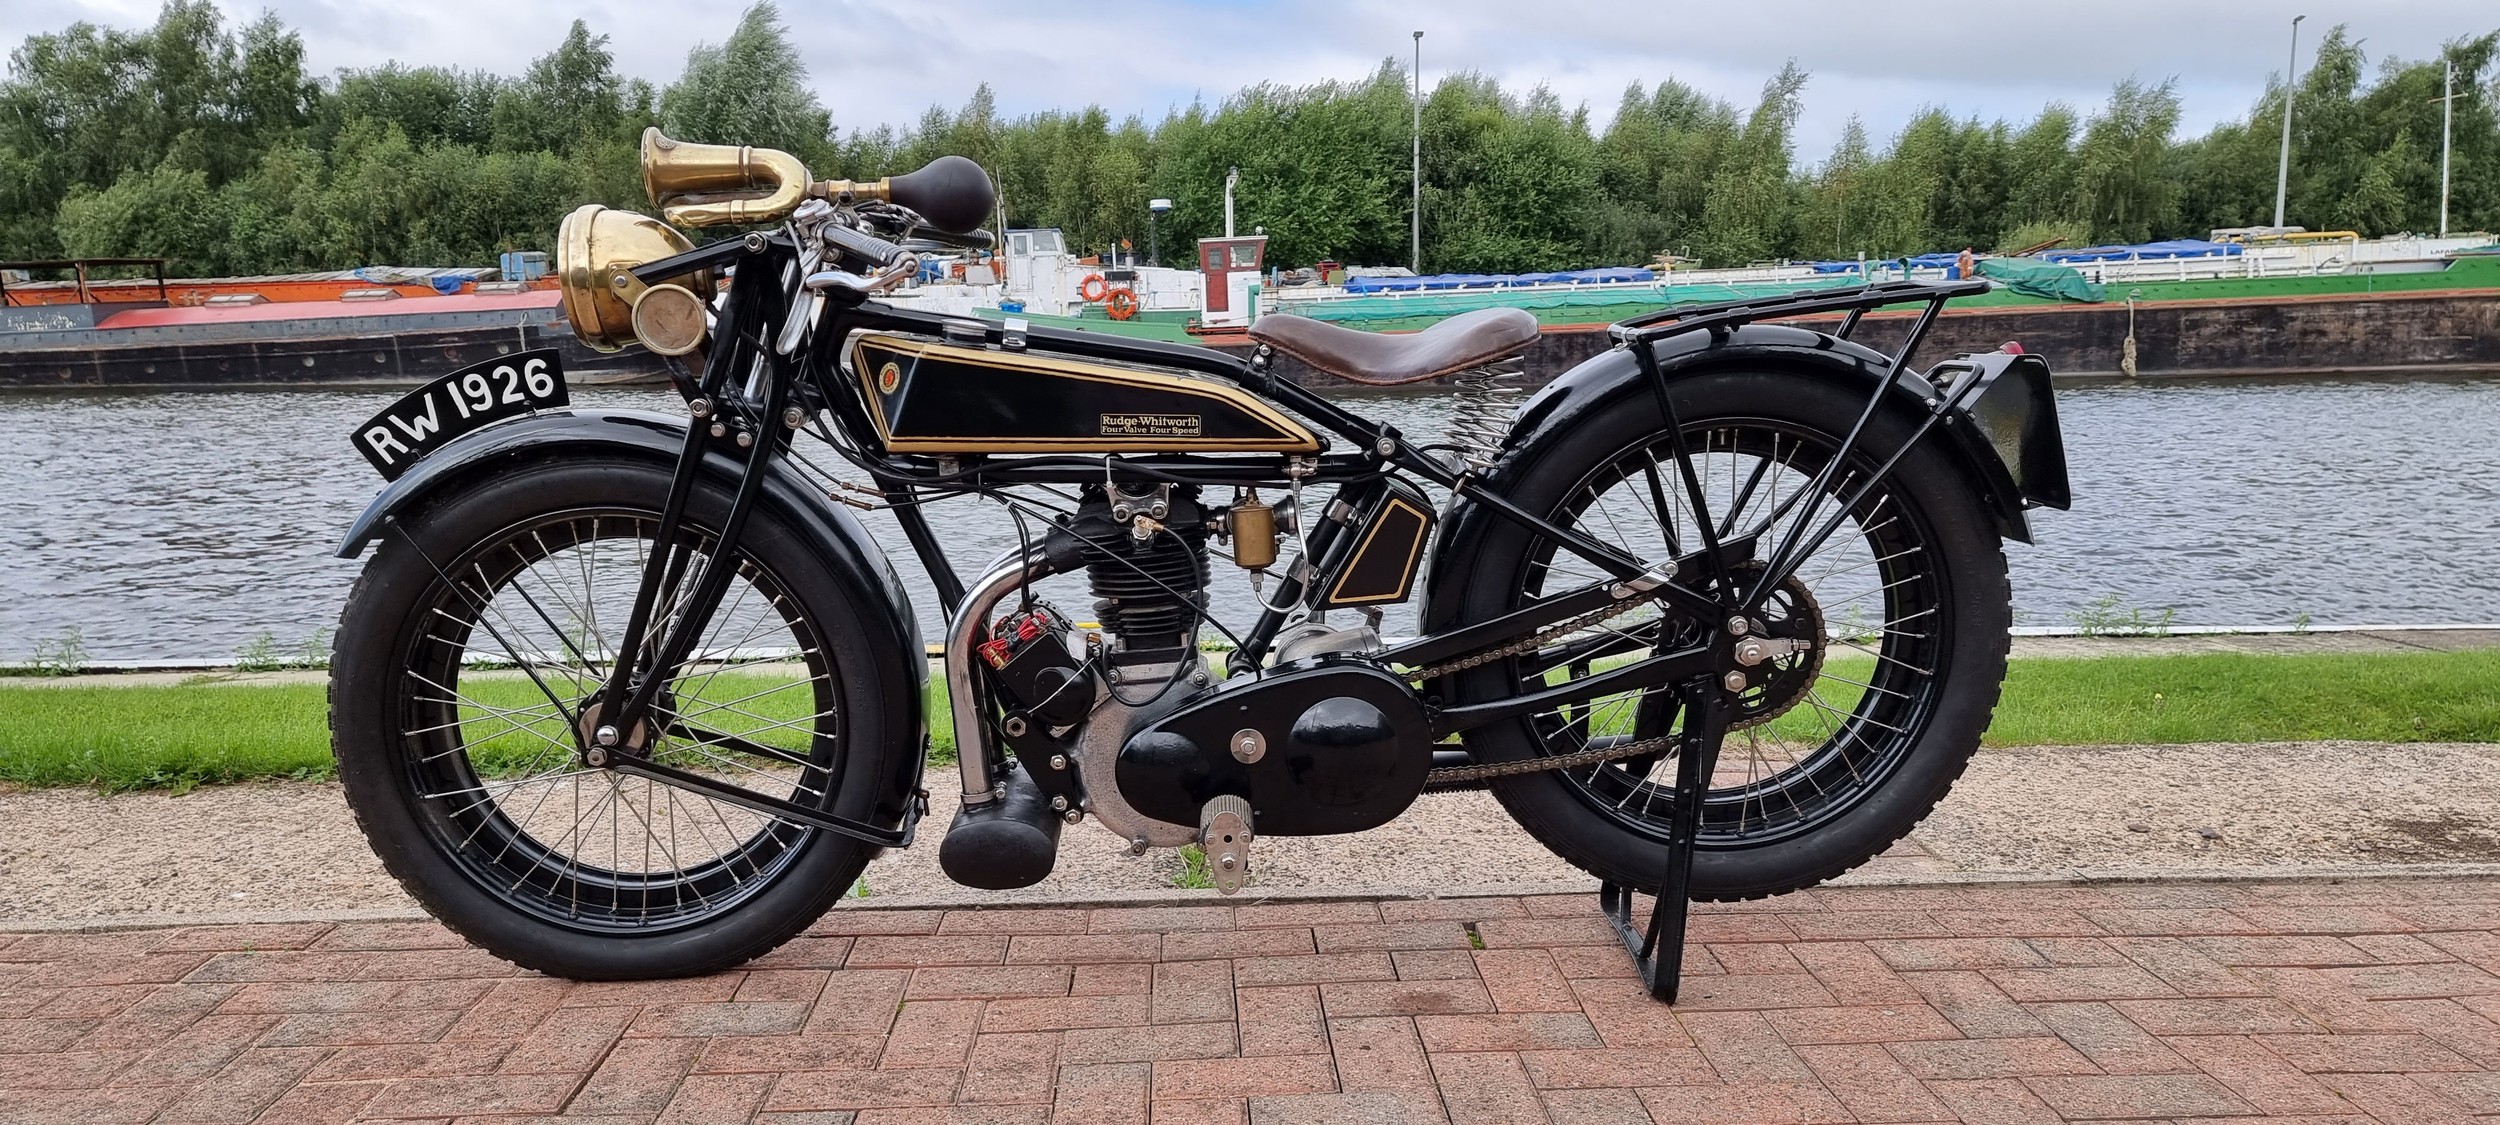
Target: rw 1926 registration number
{"type": "Point", "coordinates": [432, 416]}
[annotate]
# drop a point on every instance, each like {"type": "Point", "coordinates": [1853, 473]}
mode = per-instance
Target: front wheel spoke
{"type": "Point", "coordinates": [798, 785]}
{"type": "Point", "coordinates": [805, 723]}
{"type": "Point", "coordinates": [530, 730]}
{"type": "Point", "coordinates": [498, 788]}
{"type": "Point", "coordinates": [539, 717]}
{"type": "Point", "coordinates": [711, 705]}
{"type": "Point", "coordinates": [651, 837]}
{"type": "Point", "coordinates": [570, 875]}
{"type": "Point", "coordinates": [712, 738]}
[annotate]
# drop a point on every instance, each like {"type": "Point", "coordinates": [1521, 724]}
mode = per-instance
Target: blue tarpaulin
{"type": "Point", "coordinates": [1447, 281]}
{"type": "Point", "coordinates": [2148, 251]}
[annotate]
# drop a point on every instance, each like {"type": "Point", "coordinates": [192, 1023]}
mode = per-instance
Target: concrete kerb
{"type": "Point", "coordinates": [2028, 641]}
{"type": "Point", "coordinates": [993, 900]}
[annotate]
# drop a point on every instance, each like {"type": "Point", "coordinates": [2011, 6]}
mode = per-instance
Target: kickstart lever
{"type": "Point", "coordinates": [1224, 837]}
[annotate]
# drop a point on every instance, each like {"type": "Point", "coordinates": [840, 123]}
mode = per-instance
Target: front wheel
{"type": "Point", "coordinates": [468, 655]}
{"type": "Point", "coordinates": [1892, 635]}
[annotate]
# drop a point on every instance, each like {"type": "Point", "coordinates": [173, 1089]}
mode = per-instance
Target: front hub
{"type": "Point", "coordinates": [599, 741]}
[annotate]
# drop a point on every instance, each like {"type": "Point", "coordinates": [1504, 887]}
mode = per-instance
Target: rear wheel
{"type": "Point", "coordinates": [1889, 640]}
{"type": "Point", "coordinates": [468, 656]}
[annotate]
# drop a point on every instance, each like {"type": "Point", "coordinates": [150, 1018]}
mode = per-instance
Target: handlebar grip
{"type": "Point", "coordinates": [876, 251]}
{"type": "Point", "coordinates": [953, 193]}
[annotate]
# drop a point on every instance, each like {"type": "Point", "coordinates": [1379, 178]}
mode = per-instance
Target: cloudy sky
{"type": "Point", "coordinates": [884, 61]}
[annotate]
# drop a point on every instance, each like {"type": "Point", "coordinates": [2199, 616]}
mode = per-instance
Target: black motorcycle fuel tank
{"type": "Point", "coordinates": [1334, 748]}
{"type": "Point", "coordinates": [928, 395]}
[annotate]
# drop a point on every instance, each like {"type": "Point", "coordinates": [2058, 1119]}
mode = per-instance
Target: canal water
{"type": "Point", "coordinates": [187, 525]}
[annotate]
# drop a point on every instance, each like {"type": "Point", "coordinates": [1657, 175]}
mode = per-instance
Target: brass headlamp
{"type": "Point", "coordinates": [596, 252]}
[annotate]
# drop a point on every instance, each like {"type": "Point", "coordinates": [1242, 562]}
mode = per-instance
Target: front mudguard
{"type": "Point", "coordinates": [2000, 423]}
{"type": "Point", "coordinates": [836, 540]}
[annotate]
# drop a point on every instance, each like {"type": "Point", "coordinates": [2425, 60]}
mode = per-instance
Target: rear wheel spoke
{"type": "Point", "coordinates": [1808, 740]}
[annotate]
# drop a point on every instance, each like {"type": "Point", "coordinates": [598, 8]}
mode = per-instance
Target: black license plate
{"type": "Point", "coordinates": [434, 415]}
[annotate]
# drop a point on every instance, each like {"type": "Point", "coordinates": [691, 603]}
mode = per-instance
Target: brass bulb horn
{"type": "Point", "coordinates": [708, 185]}
{"type": "Point", "coordinates": [698, 185]}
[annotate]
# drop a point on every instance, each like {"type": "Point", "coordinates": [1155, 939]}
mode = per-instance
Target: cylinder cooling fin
{"type": "Point", "coordinates": [1147, 572]}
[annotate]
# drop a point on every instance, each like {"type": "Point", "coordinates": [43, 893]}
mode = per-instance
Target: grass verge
{"type": "Point", "coordinates": [179, 735]}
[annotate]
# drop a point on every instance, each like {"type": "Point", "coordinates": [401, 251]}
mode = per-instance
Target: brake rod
{"type": "Point", "coordinates": [635, 765]}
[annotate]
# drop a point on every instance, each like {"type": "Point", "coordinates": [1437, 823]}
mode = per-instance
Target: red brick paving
{"type": "Point", "coordinates": [2310, 1001]}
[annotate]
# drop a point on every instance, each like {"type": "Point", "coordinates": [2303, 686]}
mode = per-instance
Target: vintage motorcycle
{"type": "Point", "coordinates": [619, 694]}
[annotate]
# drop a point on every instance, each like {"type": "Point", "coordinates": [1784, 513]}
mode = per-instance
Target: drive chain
{"type": "Point", "coordinates": [1535, 641]}
{"type": "Point", "coordinates": [1455, 774]}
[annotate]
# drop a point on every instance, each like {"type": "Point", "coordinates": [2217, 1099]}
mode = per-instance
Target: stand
{"type": "Point", "coordinates": [1659, 951]}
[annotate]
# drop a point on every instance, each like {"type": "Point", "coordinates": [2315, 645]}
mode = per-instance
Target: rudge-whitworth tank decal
{"type": "Point", "coordinates": [928, 396]}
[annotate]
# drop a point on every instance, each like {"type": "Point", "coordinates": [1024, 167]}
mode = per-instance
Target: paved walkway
{"type": "Point", "coordinates": [2312, 1001]}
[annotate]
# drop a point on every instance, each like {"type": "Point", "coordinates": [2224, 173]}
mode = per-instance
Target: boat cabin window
{"type": "Point", "coordinates": [1026, 243]}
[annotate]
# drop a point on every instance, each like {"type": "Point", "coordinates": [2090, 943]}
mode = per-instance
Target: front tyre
{"type": "Point", "coordinates": [1894, 634]}
{"type": "Point", "coordinates": [466, 655]}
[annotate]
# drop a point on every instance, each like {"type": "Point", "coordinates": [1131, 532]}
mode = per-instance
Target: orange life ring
{"type": "Point", "coordinates": [1093, 287]}
{"type": "Point", "coordinates": [1123, 304]}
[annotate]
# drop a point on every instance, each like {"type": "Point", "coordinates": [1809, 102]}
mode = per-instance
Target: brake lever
{"type": "Point", "coordinates": [895, 273]}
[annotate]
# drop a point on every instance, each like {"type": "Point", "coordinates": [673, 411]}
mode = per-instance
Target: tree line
{"type": "Point", "coordinates": [215, 146]}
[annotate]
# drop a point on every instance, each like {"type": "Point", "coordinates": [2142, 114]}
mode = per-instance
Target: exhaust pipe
{"type": "Point", "coordinates": [1003, 844]}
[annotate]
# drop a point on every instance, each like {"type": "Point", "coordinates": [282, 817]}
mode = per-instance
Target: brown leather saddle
{"type": "Point", "coordinates": [1384, 360]}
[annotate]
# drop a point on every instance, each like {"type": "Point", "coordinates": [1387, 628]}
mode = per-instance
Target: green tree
{"type": "Point", "coordinates": [1835, 198]}
{"type": "Point", "coordinates": [162, 212]}
{"type": "Point", "coordinates": [2122, 186]}
{"type": "Point", "coordinates": [568, 97]}
{"type": "Point", "coordinates": [1653, 163]}
{"type": "Point", "coordinates": [87, 106]}
{"type": "Point", "coordinates": [428, 104]}
{"type": "Point", "coordinates": [751, 89]}
{"type": "Point", "coordinates": [1746, 217]}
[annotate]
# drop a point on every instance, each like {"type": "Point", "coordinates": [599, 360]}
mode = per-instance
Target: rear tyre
{"type": "Point", "coordinates": [1896, 629]}
{"type": "Point", "coordinates": [465, 655]}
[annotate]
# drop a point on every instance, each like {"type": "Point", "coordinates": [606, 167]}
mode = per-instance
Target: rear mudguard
{"type": "Point", "coordinates": [2001, 423]}
{"type": "Point", "coordinates": [841, 545]}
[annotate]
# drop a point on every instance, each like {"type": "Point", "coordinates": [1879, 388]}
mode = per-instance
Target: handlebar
{"type": "Point", "coordinates": [869, 248]}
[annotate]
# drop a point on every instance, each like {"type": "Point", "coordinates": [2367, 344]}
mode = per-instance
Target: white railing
{"type": "Point", "coordinates": [2302, 260]}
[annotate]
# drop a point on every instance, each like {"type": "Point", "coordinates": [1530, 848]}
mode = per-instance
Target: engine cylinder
{"type": "Point", "coordinates": [1148, 591]}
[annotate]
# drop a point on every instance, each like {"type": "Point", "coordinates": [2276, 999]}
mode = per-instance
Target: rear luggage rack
{"type": "Point", "coordinates": [1652, 327]}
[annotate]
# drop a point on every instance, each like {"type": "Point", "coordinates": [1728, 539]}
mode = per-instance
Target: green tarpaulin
{"type": "Point", "coordinates": [2033, 277]}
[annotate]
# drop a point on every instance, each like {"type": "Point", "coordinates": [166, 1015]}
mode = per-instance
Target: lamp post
{"type": "Point", "coordinates": [1231, 176]}
{"type": "Point", "coordinates": [2283, 166]}
{"type": "Point", "coordinates": [1418, 203]}
{"type": "Point", "coordinates": [1154, 245]}
{"type": "Point", "coordinates": [2447, 115]}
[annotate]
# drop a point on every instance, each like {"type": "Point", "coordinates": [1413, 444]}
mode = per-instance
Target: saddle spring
{"type": "Point", "coordinates": [1487, 398]}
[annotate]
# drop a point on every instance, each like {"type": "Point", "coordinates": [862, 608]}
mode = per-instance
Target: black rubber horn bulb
{"type": "Point", "coordinates": [953, 193]}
